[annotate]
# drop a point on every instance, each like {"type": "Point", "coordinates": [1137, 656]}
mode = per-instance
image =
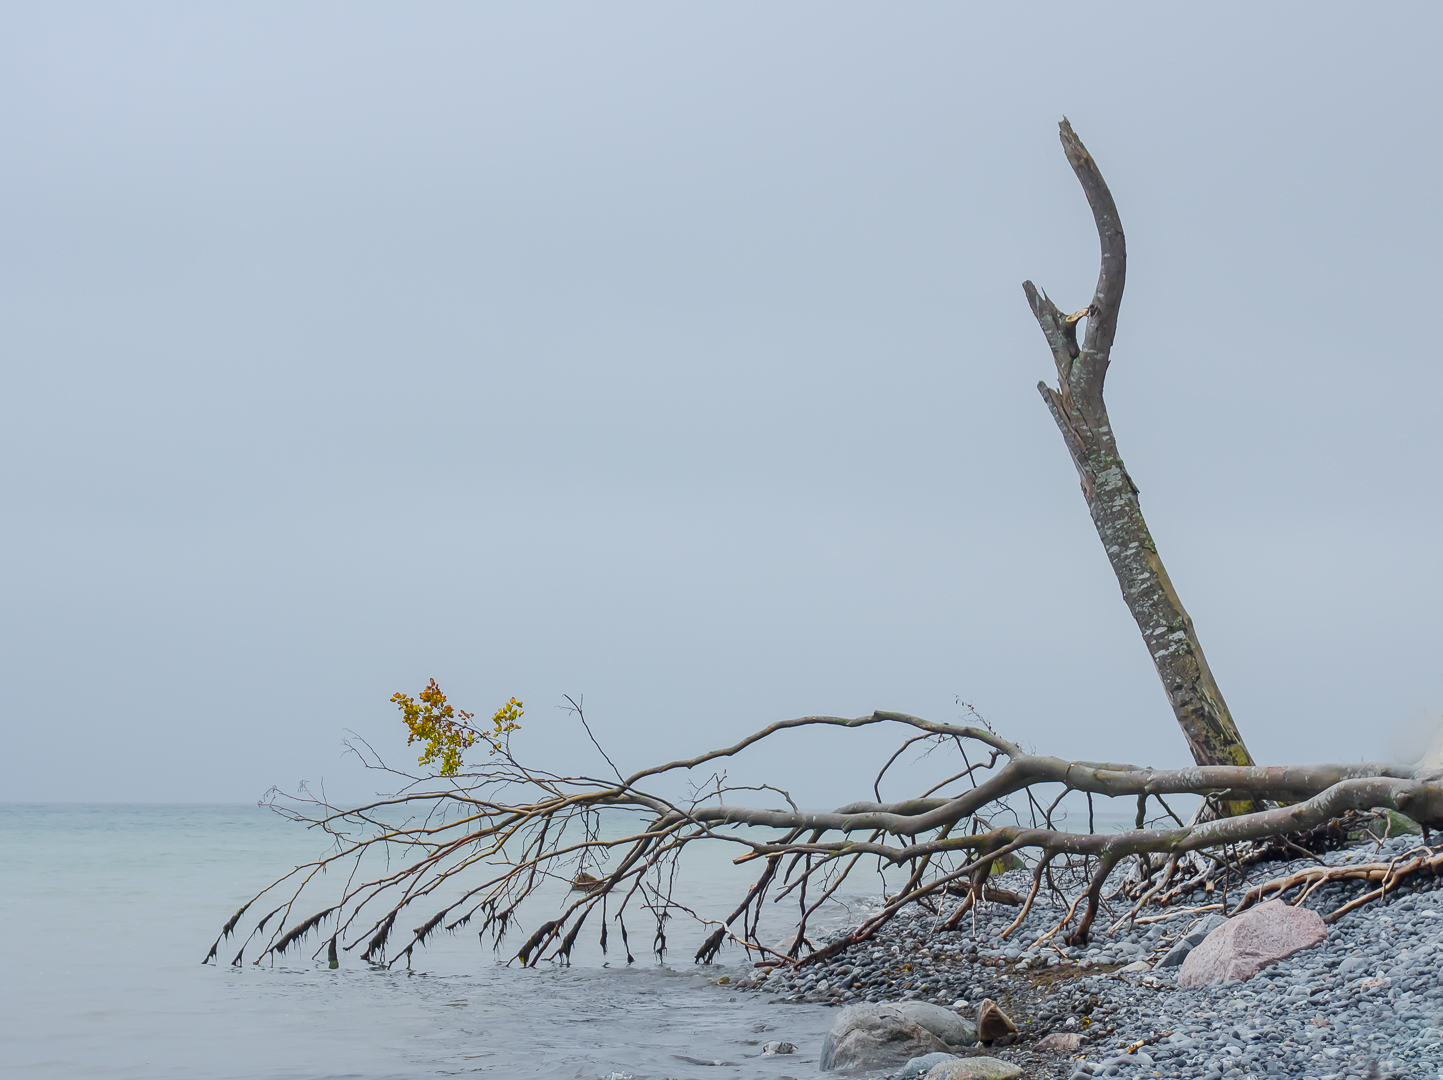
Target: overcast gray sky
{"type": "Point", "coordinates": [676, 356]}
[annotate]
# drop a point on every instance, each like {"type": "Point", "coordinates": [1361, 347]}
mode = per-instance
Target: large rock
{"type": "Point", "coordinates": [1382, 823]}
{"type": "Point", "coordinates": [1249, 942]}
{"type": "Point", "coordinates": [952, 1029]}
{"type": "Point", "coordinates": [974, 1068]}
{"type": "Point", "coordinates": [866, 1037]}
{"type": "Point", "coordinates": [875, 1037]}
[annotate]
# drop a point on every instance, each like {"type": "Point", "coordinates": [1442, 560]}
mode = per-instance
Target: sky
{"type": "Point", "coordinates": [675, 357]}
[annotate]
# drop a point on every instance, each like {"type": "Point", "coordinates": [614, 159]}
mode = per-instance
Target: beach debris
{"type": "Point", "coordinates": [992, 1022]}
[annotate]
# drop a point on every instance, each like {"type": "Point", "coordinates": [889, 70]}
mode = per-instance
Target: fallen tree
{"type": "Point", "coordinates": [468, 845]}
{"type": "Point", "coordinates": [513, 828]}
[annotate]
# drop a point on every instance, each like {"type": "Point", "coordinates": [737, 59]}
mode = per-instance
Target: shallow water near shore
{"type": "Point", "coordinates": [107, 910]}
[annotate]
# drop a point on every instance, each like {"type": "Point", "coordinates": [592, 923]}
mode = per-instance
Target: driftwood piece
{"type": "Point", "coordinates": [1388, 874]}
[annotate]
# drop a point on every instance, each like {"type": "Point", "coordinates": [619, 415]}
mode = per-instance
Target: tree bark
{"type": "Point", "coordinates": [1112, 498]}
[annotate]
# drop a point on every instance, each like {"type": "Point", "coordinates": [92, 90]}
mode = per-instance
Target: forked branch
{"type": "Point", "coordinates": [1080, 412]}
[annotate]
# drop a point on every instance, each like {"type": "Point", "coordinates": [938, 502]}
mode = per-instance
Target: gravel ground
{"type": "Point", "coordinates": [1367, 1002]}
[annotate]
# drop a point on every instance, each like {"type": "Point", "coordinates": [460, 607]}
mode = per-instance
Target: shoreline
{"type": "Point", "coordinates": [1365, 1002]}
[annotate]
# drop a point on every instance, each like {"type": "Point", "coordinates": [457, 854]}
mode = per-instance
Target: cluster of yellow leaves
{"type": "Point", "coordinates": [446, 730]}
{"type": "Point", "coordinates": [504, 722]}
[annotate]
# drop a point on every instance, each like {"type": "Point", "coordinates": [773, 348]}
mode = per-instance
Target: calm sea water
{"type": "Point", "coordinates": [106, 911]}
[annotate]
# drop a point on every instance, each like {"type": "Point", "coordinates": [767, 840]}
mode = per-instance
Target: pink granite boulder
{"type": "Point", "coordinates": [1247, 943]}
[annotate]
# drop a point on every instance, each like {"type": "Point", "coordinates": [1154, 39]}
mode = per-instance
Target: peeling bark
{"type": "Point", "coordinates": [1078, 408]}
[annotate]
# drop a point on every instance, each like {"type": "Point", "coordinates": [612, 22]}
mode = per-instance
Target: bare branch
{"type": "Point", "coordinates": [491, 841]}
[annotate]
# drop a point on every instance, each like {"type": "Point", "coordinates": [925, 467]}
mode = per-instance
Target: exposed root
{"type": "Point", "coordinates": [1389, 874]}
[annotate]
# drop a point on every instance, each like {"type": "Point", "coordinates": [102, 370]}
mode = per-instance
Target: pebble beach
{"type": "Point", "coordinates": [1366, 1002]}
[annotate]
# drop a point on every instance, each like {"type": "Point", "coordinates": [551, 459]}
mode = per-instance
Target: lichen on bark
{"type": "Point", "coordinates": [1078, 408]}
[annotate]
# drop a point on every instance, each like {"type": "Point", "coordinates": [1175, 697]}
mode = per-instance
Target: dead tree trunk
{"type": "Point", "coordinates": [1081, 415]}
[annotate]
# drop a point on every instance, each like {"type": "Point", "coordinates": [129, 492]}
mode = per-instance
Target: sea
{"type": "Point", "coordinates": [106, 912]}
